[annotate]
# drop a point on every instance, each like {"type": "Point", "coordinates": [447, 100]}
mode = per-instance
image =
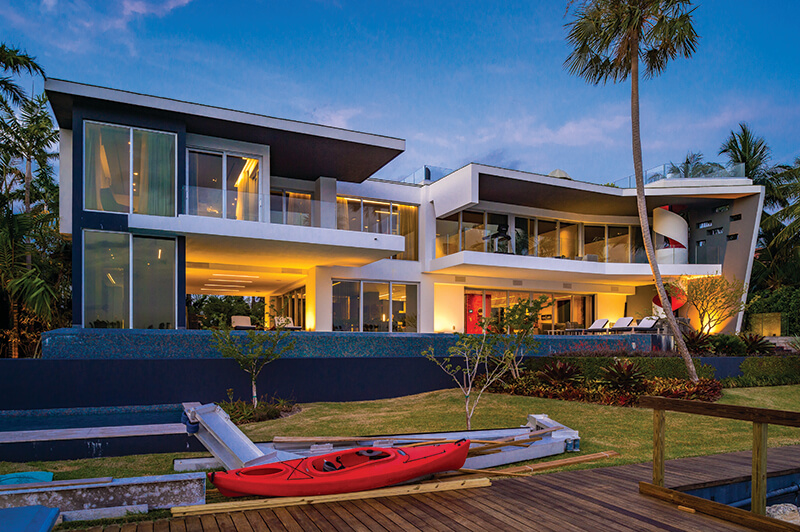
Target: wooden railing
{"type": "Point", "coordinates": [761, 419]}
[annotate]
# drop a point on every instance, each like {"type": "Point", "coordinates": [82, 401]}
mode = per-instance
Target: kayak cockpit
{"type": "Point", "coordinates": [349, 460]}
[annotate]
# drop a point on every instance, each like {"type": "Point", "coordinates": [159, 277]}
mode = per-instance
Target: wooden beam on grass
{"type": "Point", "coordinates": [278, 502]}
{"type": "Point", "coordinates": [534, 468]}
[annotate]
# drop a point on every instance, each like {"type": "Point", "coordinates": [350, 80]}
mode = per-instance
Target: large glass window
{"type": "Point", "coordinates": [291, 208]}
{"type": "Point", "coordinates": [524, 231]}
{"type": "Point", "coordinates": [154, 283]}
{"type": "Point", "coordinates": [346, 305]}
{"type": "Point", "coordinates": [638, 253]}
{"type": "Point", "coordinates": [405, 222]}
{"type": "Point", "coordinates": [153, 173]}
{"type": "Point", "coordinates": [472, 231]}
{"type": "Point", "coordinates": [618, 245]}
{"type": "Point", "coordinates": [106, 280]}
{"type": "Point", "coordinates": [377, 217]}
{"type": "Point", "coordinates": [497, 233]}
{"type": "Point", "coordinates": [376, 307]}
{"type": "Point", "coordinates": [348, 214]}
{"type": "Point", "coordinates": [568, 236]}
{"type": "Point", "coordinates": [447, 235]}
{"type": "Point", "coordinates": [546, 242]}
{"type": "Point", "coordinates": [205, 184]}
{"type": "Point", "coordinates": [594, 242]}
{"type": "Point", "coordinates": [107, 167]}
{"type": "Point", "coordinates": [242, 187]}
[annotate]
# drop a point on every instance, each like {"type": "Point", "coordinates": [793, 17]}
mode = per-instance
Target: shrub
{"type": "Point", "coordinates": [624, 375]}
{"type": "Point", "coordinates": [590, 367]}
{"type": "Point", "coordinates": [755, 344]}
{"type": "Point", "coordinates": [794, 343]}
{"type": "Point", "coordinates": [781, 300]}
{"type": "Point", "coordinates": [729, 344]}
{"type": "Point", "coordinates": [242, 412]}
{"type": "Point", "coordinates": [766, 371]}
{"type": "Point", "coordinates": [560, 372]}
{"type": "Point", "coordinates": [704, 390]}
{"type": "Point", "coordinates": [697, 342]}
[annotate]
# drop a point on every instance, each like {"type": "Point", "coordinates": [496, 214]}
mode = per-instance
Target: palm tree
{"type": "Point", "coordinates": [30, 134]}
{"type": "Point", "coordinates": [745, 147]}
{"type": "Point", "coordinates": [693, 166]}
{"type": "Point", "coordinates": [609, 38]}
{"type": "Point", "coordinates": [23, 282]}
{"type": "Point", "coordinates": [14, 61]}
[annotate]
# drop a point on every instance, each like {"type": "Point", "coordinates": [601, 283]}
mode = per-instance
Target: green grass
{"type": "Point", "coordinates": [602, 428]}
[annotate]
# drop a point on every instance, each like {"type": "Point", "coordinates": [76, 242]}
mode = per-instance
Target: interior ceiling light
{"type": "Point", "coordinates": [248, 169]}
{"type": "Point", "coordinates": [233, 275]}
{"type": "Point", "coordinates": [111, 278]}
{"type": "Point", "coordinates": [226, 285]}
{"type": "Point", "coordinates": [216, 290]}
{"type": "Point", "coordinates": [220, 280]}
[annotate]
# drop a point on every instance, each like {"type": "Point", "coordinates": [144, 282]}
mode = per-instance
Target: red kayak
{"type": "Point", "coordinates": [357, 469]}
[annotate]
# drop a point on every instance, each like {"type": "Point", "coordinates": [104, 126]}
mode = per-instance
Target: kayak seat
{"type": "Point", "coordinates": [328, 466]}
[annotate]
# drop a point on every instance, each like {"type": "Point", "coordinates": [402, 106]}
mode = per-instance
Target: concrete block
{"type": "Point", "coordinates": [104, 513]}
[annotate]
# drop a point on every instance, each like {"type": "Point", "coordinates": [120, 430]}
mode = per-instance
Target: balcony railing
{"type": "Point", "coordinates": [696, 171]}
{"type": "Point", "coordinates": [202, 201]}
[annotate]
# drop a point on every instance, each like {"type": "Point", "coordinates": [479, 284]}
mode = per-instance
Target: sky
{"type": "Point", "coordinates": [460, 81]}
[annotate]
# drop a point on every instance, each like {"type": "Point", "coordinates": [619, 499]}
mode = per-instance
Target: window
{"type": "Point", "coordinates": [447, 235]}
{"type": "Point", "coordinates": [594, 242]}
{"type": "Point", "coordinates": [128, 281]}
{"type": "Point", "coordinates": [291, 208]}
{"type": "Point", "coordinates": [293, 305]}
{"type": "Point", "coordinates": [703, 225]}
{"type": "Point", "coordinates": [221, 184]}
{"type": "Point", "coordinates": [715, 231]}
{"type": "Point", "coordinates": [524, 243]}
{"type": "Point", "coordinates": [374, 306]}
{"type": "Point", "coordinates": [129, 170]}
{"type": "Point", "coordinates": [700, 243]}
{"type": "Point", "coordinates": [546, 240]}
{"type": "Point", "coordinates": [384, 217]}
{"type": "Point", "coordinates": [723, 208]}
{"type": "Point", "coordinates": [734, 236]}
{"type": "Point", "coordinates": [497, 233]}
{"type": "Point", "coordinates": [736, 217]}
{"type": "Point", "coordinates": [472, 231]}
{"type": "Point", "coordinates": [568, 237]}
{"type": "Point", "coordinates": [618, 244]}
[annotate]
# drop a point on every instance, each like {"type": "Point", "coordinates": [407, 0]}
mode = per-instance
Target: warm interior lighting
{"type": "Point", "coordinates": [226, 285]}
{"type": "Point", "coordinates": [233, 275]}
{"type": "Point", "coordinates": [248, 169]}
{"type": "Point", "coordinates": [220, 280]}
{"type": "Point", "coordinates": [111, 278]}
{"type": "Point", "coordinates": [216, 290]}
{"type": "Point", "coordinates": [159, 253]}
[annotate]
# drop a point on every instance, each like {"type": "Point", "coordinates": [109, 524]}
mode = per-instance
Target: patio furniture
{"type": "Point", "coordinates": [286, 323]}
{"type": "Point", "coordinates": [622, 325]}
{"type": "Point", "coordinates": [242, 323]}
{"type": "Point", "coordinates": [647, 325]}
{"type": "Point", "coordinates": [598, 326]}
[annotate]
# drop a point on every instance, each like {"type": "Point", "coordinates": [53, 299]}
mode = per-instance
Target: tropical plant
{"type": "Point", "coordinates": [15, 62]}
{"type": "Point", "coordinates": [728, 345]}
{"type": "Point", "coordinates": [253, 351]}
{"type": "Point", "coordinates": [22, 281]}
{"type": "Point", "coordinates": [794, 343]}
{"type": "Point", "coordinates": [474, 365]}
{"type": "Point", "coordinates": [560, 372]}
{"type": "Point", "coordinates": [745, 147]}
{"type": "Point", "coordinates": [693, 166]}
{"type": "Point", "coordinates": [624, 375]}
{"type": "Point", "coordinates": [517, 325]}
{"type": "Point", "coordinates": [29, 133]}
{"type": "Point", "coordinates": [755, 344]}
{"type": "Point", "coordinates": [698, 342]}
{"type": "Point", "coordinates": [609, 38]}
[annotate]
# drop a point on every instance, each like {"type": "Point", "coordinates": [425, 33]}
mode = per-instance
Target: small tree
{"type": "Point", "coordinates": [716, 299]}
{"type": "Point", "coordinates": [473, 355]}
{"type": "Point", "coordinates": [517, 325]}
{"type": "Point", "coordinates": [254, 351]}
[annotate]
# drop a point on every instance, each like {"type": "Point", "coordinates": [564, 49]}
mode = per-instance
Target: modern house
{"type": "Point", "coordinates": [164, 198]}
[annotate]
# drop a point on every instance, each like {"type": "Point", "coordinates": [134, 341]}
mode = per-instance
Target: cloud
{"type": "Point", "coordinates": [84, 26]}
{"type": "Point", "coordinates": [335, 117]}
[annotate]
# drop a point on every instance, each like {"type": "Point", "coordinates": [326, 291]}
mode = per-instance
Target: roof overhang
{"type": "Point", "coordinates": [298, 150]}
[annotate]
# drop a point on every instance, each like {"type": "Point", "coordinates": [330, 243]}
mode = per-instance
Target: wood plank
{"type": "Point", "coordinates": [240, 522]}
{"type": "Point", "coordinates": [758, 488]}
{"type": "Point", "coordinates": [723, 511]}
{"type": "Point", "coordinates": [55, 483]}
{"type": "Point", "coordinates": [158, 429]}
{"type": "Point", "coordinates": [466, 522]}
{"type": "Point", "coordinates": [162, 525]}
{"type": "Point", "coordinates": [287, 520]}
{"type": "Point", "coordinates": [130, 527]}
{"type": "Point", "coordinates": [254, 518]}
{"type": "Point", "coordinates": [352, 521]}
{"type": "Point", "coordinates": [422, 518]}
{"type": "Point", "coordinates": [271, 520]}
{"type": "Point", "coordinates": [302, 519]}
{"type": "Point", "coordinates": [193, 524]}
{"type": "Point", "coordinates": [147, 526]}
{"type": "Point", "coordinates": [659, 430]}
{"type": "Point", "coordinates": [176, 525]}
{"type": "Point", "coordinates": [224, 523]}
{"type": "Point", "coordinates": [533, 468]}
{"type": "Point", "coordinates": [318, 519]}
{"type": "Point", "coordinates": [277, 502]}
{"type": "Point", "coordinates": [327, 512]}
{"type": "Point", "coordinates": [486, 514]}
{"type": "Point", "coordinates": [743, 413]}
{"type": "Point", "coordinates": [362, 512]}
{"type": "Point", "coordinates": [209, 523]}
{"type": "Point", "coordinates": [376, 507]}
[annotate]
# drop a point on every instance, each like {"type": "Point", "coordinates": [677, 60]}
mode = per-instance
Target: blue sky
{"type": "Point", "coordinates": [459, 81]}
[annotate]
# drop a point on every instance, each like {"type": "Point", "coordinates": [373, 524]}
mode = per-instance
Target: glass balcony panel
{"type": "Point", "coordinates": [447, 235]}
{"type": "Point", "coordinates": [276, 206]}
{"type": "Point", "coordinates": [348, 214]}
{"type": "Point", "coordinates": [299, 209]}
{"type": "Point", "coordinates": [205, 184]}
{"type": "Point", "coordinates": [568, 236]}
{"type": "Point", "coordinates": [242, 188]}
{"type": "Point", "coordinates": [497, 233]}
{"type": "Point", "coordinates": [546, 242]}
{"type": "Point", "coordinates": [377, 217]}
{"type": "Point", "coordinates": [472, 231]}
{"type": "Point", "coordinates": [618, 244]}
{"type": "Point", "coordinates": [523, 243]}
{"type": "Point", "coordinates": [406, 224]}
{"type": "Point", "coordinates": [594, 242]}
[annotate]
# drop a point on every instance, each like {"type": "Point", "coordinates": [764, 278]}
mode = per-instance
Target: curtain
{"type": "Point", "coordinates": [155, 165]}
{"type": "Point", "coordinates": [407, 226]}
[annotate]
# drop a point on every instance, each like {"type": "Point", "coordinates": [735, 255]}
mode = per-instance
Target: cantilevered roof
{"type": "Point", "coordinates": [298, 150]}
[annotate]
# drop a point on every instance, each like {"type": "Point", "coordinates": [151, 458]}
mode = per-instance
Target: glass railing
{"type": "Point", "coordinates": [202, 201]}
{"type": "Point", "coordinates": [671, 171]}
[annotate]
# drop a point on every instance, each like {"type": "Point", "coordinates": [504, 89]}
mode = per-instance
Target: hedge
{"type": "Point", "coordinates": [766, 371]}
{"type": "Point", "coordinates": [782, 300]}
{"type": "Point", "coordinates": [664, 367]}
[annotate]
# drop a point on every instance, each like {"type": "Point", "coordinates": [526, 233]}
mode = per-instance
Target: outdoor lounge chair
{"type": "Point", "coordinates": [242, 323]}
{"type": "Point", "coordinates": [622, 325]}
{"type": "Point", "coordinates": [647, 325]}
{"type": "Point", "coordinates": [286, 323]}
{"type": "Point", "coordinates": [597, 327]}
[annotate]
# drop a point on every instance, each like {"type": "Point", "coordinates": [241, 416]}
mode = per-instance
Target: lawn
{"type": "Point", "coordinates": [625, 430]}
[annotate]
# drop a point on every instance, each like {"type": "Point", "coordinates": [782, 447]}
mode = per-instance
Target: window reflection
{"type": "Point", "coordinates": [106, 267]}
{"type": "Point", "coordinates": [154, 282]}
{"type": "Point", "coordinates": [242, 188]}
{"type": "Point", "coordinates": [205, 184]}
{"type": "Point", "coordinates": [107, 167]}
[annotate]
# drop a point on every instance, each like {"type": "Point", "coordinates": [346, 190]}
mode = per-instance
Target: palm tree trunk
{"type": "Point", "coordinates": [15, 332]}
{"type": "Point", "coordinates": [641, 205]}
{"type": "Point", "coordinates": [28, 179]}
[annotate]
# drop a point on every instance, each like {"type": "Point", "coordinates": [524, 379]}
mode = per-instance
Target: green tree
{"type": "Point", "coordinates": [516, 327]}
{"type": "Point", "coordinates": [24, 283]}
{"type": "Point", "coordinates": [15, 62]}
{"type": "Point", "coordinates": [609, 38]}
{"type": "Point", "coordinates": [693, 166]}
{"type": "Point", "coordinates": [745, 147]}
{"type": "Point", "coordinates": [30, 134]}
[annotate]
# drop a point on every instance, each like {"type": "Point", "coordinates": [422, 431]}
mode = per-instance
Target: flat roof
{"type": "Point", "coordinates": [298, 150]}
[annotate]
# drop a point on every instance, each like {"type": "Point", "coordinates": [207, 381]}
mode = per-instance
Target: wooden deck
{"type": "Point", "coordinates": [599, 499]}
